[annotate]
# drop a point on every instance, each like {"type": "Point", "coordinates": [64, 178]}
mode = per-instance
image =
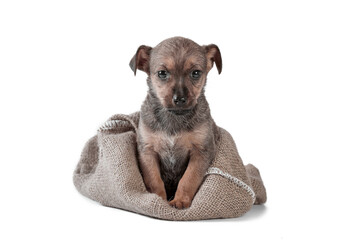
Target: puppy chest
{"type": "Point", "coordinates": [173, 158]}
{"type": "Point", "coordinates": [172, 151]}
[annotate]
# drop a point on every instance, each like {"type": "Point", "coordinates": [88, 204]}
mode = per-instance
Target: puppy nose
{"type": "Point", "coordinates": [179, 100]}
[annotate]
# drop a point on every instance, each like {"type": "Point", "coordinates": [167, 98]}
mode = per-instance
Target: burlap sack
{"type": "Point", "coordinates": [108, 173]}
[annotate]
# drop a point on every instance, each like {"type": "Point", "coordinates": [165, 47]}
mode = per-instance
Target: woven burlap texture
{"type": "Point", "coordinates": [108, 173]}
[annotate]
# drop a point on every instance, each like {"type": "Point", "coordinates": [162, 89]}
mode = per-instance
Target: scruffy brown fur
{"type": "Point", "coordinates": [176, 135]}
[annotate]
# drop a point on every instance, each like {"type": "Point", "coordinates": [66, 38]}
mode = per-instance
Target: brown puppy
{"type": "Point", "coordinates": [176, 134]}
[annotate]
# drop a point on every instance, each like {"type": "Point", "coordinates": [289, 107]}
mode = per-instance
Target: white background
{"type": "Point", "coordinates": [286, 94]}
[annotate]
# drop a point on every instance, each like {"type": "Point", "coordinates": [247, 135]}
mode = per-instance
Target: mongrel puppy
{"type": "Point", "coordinates": [176, 134]}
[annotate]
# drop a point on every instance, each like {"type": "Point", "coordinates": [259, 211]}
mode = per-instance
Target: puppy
{"type": "Point", "coordinates": [176, 134]}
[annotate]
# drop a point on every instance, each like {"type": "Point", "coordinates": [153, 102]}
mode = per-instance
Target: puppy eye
{"type": "Point", "coordinates": [196, 74]}
{"type": "Point", "coordinates": [163, 74]}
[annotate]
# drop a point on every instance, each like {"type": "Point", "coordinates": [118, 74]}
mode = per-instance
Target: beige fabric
{"type": "Point", "coordinates": [108, 173]}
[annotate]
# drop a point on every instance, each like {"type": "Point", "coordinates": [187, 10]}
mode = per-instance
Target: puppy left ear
{"type": "Point", "coordinates": [213, 56]}
{"type": "Point", "coordinates": [141, 59]}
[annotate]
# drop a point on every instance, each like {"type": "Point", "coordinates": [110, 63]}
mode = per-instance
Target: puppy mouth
{"type": "Point", "coordinates": [178, 111]}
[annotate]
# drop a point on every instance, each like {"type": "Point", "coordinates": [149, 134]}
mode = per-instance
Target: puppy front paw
{"type": "Point", "coordinates": [181, 202]}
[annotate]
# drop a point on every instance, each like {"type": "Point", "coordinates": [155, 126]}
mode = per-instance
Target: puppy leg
{"type": "Point", "coordinates": [190, 181]}
{"type": "Point", "coordinates": [149, 163]}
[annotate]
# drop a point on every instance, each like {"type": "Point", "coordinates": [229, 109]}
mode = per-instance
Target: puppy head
{"type": "Point", "coordinates": [177, 70]}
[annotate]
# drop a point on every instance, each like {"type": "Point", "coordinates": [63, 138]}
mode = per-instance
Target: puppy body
{"type": "Point", "coordinates": [176, 135]}
{"type": "Point", "coordinates": [175, 138]}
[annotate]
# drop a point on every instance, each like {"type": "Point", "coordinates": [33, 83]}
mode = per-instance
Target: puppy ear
{"type": "Point", "coordinates": [213, 55]}
{"type": "Point", "coordinates": [141, 59]}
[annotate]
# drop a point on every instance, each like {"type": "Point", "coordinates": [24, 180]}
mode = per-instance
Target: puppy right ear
{"type": "Point", "coordinates": [141, 59]}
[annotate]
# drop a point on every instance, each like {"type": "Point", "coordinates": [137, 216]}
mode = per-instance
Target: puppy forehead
{"type": "Point", "coordinates": [180, 61]}
{"type": "Point", "coordinates": [186, 63]}
{"type": "Point", "coordinates": [177, 52]}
